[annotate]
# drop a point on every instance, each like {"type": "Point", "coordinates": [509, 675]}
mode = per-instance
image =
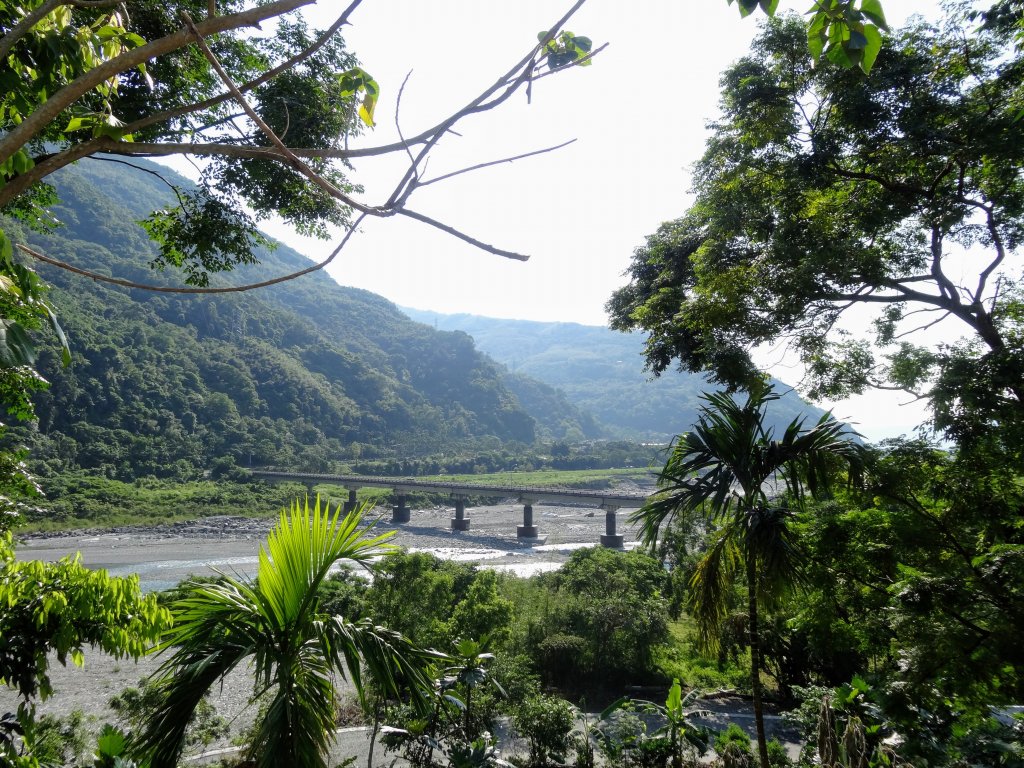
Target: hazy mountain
{"type": "Point", "coordinates": [600, 371]}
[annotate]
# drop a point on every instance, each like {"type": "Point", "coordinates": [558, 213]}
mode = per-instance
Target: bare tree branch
{"type": "Point", "coordinates": [925, 326]}
{"type": "Point", "coordinates": [997, 241]}
{"type": "Point", "coordinates": [462, 236]}
{"type": "Point", "coordinates": [192, 289]}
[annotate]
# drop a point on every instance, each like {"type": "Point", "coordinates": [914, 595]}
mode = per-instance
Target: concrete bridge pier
{"type": "Point", "coordinates": [400, 513]}
{"type": "Point", "coordinates": [610, 538]}
{"type": "Point", "coordinates": [350, 504]}
{"type": "Point", "coordinates": [527, 530]}
{"type": "Point", "coordinates": [460, 522]}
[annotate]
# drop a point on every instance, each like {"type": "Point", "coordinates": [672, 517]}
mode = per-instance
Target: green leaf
{"type": "Point", "coordinates": [675, 696]}
{"type": "Point", "coordinates": [873, 10]}
{"type": "Point", "coordinates": [23, 162]}
{"type": "Point", "coordinates": [584, 44]}
{"type": "Point", "coordinates": [65, 348]}
{"type": "Point", "coordinates": [769, 6]}
{"type": "Point", "coordinates": [357, 80]}
{"type": "Point", "coordinates": [6, 249]}
{"type": "Point", "coordinates": [747, 7]}
{"type": "Point", "coordinates": [76, 124]}
{"type": "Point", "coordinates": [857, 41]}
{"type": "Point", "coordinates": [874, 45]}
{"type": "Point", "coordinates": [817, 34]}
{"type": "Point", "coordinates": [16, 347]}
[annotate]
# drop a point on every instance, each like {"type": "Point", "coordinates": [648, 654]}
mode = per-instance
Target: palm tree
{"type": "Point", "coordinates": [730, 476]}
{"type": "Point", "coordinates": [295, 649]}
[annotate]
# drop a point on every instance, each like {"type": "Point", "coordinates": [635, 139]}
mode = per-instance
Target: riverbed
{"type": "Point", "coordinates": [165, 554]}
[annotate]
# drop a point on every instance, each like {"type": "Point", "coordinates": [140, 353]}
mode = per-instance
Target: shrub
{"type": "Point", "coordinates": [733, 748]}
{"type": "Point", "coordinates": [547, 723]}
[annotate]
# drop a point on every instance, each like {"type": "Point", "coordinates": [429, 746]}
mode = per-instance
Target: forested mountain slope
{"type": "Point", "coordinates": [600, 371]}
{"type": "Point", "coordinates": [301, 374]}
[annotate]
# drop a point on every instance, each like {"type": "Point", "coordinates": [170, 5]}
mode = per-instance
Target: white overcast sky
{"type": "Point", "coordinates": [638, 115]}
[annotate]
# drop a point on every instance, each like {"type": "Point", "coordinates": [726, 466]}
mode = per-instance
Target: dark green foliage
{"type": "Point", "coordinates": [922, 582]}
{"type": "Point", "coordinates": [305, 374]}
{"type": "Point", "coordinates": [733, 747]}
{"type": "Point", "coordinates": [452, 600]}
{"type": "Point", "coordinates": [58, 741]}
{"type": "Point", "coordinates": [605, 614]}
{"type": "Point", "coordinates": [546, 722]}
{"type": "Point", "coordinates": [134, 706]}
{"type": "Point", "coordinates": [821, 190]}
{"type": "Point", "coordinates": [343, 593]}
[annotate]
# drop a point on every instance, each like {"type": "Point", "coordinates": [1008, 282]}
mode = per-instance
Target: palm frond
{"type": "Point", "coordinates": [299, 721]}
{"type": "Point", "coordinates": [213, 633]}
{"type": "Point", "coordinates": [777, 551]}
{"type": "Point", "coordinates": [710, 587]}
{"type": "Point", "coordinates": [301, 550]}
{"type": "Point", "coordinates": [275, 621]}
{"type": "Point", "coordinates": [395, 664]}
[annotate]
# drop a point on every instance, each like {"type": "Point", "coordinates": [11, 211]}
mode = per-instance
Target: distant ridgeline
{"type": "Point", "coordinates": [299, 375]}
{"type": "Point", "coordinates": [600, 371]}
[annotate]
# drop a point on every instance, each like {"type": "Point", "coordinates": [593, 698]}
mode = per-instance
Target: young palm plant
{"type": "Point", "coordinates": [731, 477]}
{"type": "Point", "coordinates": [276, 622]}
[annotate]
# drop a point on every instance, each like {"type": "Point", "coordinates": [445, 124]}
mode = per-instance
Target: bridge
{"type": "Point", "coordinates": [527, 495]}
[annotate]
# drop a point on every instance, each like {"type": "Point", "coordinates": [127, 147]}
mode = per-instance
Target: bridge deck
{"type": "Point", "coordinates": [525, 493]}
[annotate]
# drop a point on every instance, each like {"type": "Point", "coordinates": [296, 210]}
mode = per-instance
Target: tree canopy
{"type": "Point", "coordinates": [822, 190]}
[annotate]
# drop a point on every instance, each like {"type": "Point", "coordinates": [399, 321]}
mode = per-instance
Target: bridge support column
{"type": "Point", "coordinates": [460, 522]}
{"type": "Point", "coordinates": [527, 530]}
{"type": "Point", "coordinates": [610, 538]}
{"type": "Point", "coordinates": [309, 491]}
{"type": "Point", "coordinates": [350, 504]}
{"type": "Point", "coordinates": [400, 513]}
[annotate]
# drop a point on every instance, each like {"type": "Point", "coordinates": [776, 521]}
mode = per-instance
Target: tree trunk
{"type": "Point", "coordinates": [755, 658]}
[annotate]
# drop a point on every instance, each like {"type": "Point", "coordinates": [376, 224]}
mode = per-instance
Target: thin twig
{"type": "Point", "coordinates": [478, 166]}
{"type": "Point", "coordinates": [462, 236]}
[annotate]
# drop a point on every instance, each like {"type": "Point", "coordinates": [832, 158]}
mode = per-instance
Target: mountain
{"type": "Point", "coordinates": [301, 374]}
{"type": "Point", "coordinates": [601, 372]}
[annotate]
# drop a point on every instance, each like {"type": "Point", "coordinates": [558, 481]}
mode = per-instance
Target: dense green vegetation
{"type": "Point", "coordinates": [817, 193]}
{"type": "Point", "coordinates": [307, 374]}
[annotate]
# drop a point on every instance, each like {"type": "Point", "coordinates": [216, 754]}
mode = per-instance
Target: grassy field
{"type": "Point", "coordinates": [553, 478]}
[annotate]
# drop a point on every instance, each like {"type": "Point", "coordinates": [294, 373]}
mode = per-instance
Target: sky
{"type": "Point", "coordinates": [639, 118]}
